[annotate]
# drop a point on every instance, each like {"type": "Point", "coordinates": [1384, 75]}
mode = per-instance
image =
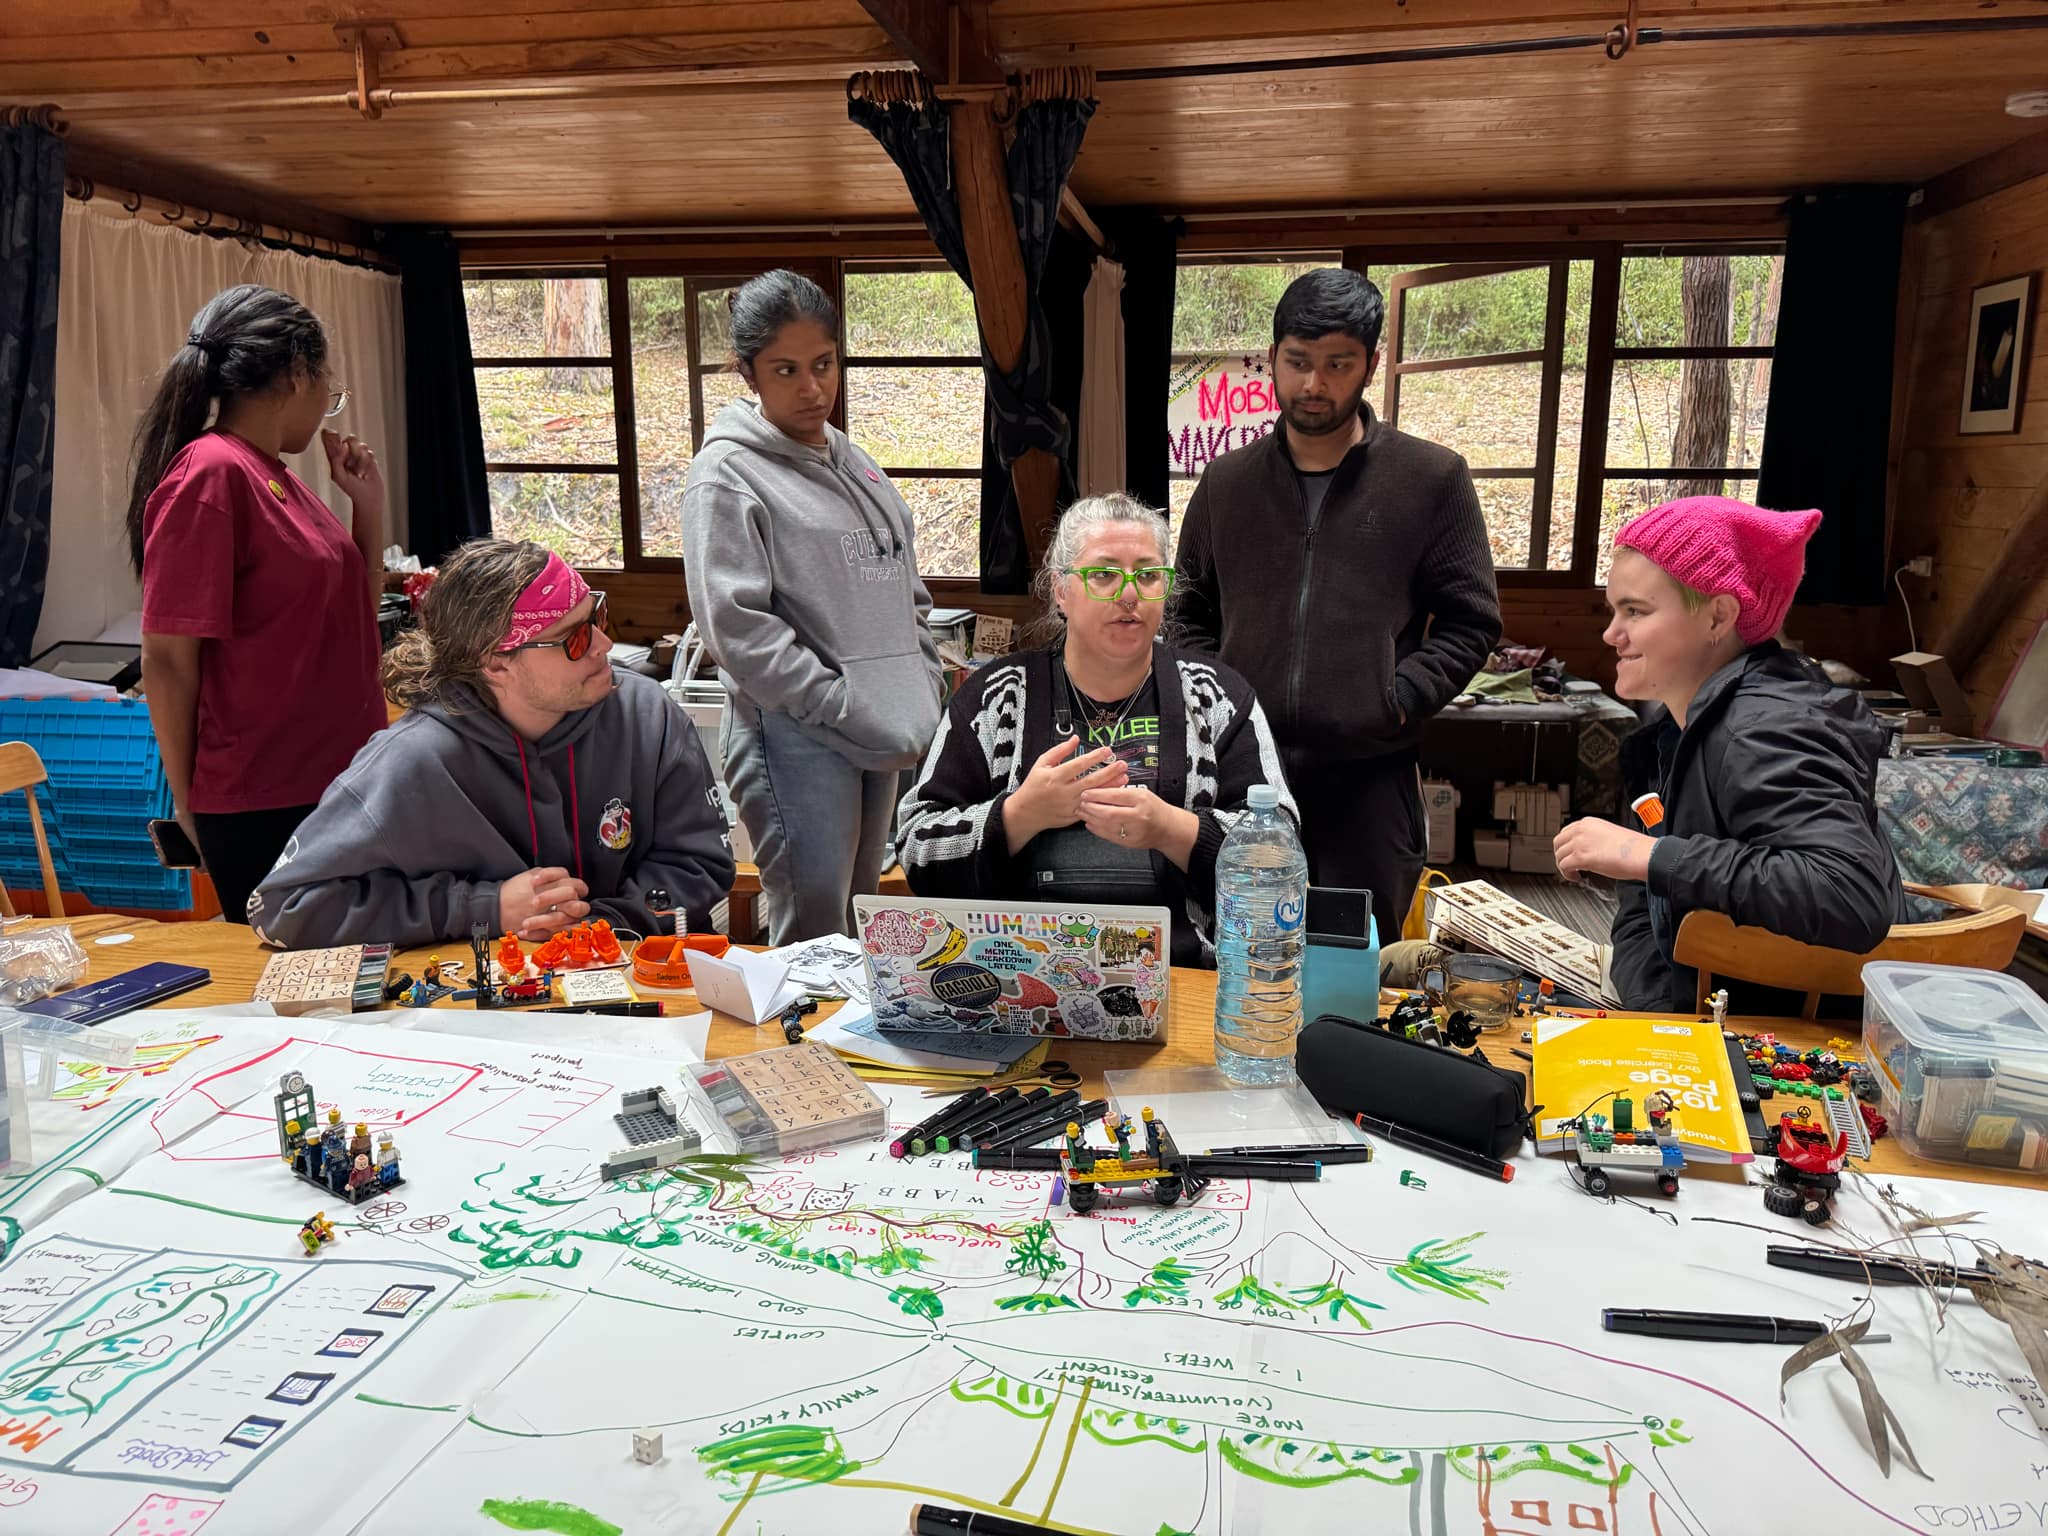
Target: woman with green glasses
{"type": "Point", "coordinates": [1104, 768]}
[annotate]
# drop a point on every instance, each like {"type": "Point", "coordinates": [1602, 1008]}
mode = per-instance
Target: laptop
{"type": "Point", "coordinates": [1017, 967]}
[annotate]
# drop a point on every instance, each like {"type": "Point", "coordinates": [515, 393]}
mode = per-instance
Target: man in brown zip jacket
{"type": "Point", "coordinates": [1343, 568]}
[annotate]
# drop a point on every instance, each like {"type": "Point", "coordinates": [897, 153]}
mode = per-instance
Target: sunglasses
{"type": "Point", "coordinates": [1106, 583]}
{"type": "Point", "coordinates": [576, 644]}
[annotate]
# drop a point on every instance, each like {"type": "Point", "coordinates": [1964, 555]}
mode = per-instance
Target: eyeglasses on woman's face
{"type": "Point", "coordinates": [337, 400]}
{"type": "Point", "coordinates": [1107, 583]}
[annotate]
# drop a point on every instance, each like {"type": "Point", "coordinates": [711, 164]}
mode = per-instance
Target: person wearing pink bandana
{"type": "Point", "coordinates": [1765, 771]}
{"type": "Point", "coordinates": [527, 787]}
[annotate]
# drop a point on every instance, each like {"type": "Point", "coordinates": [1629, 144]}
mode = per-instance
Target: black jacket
{"type": "Point", "coordinates": [1769, 816]}
{"type": "Point", "coordinates": [1214, 745]}
{"type": "Point", "coordinates": [1383, 605]}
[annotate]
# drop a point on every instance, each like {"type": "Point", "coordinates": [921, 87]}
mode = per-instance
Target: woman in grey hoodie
{"type": "Point", "coordinates": [802, 579]}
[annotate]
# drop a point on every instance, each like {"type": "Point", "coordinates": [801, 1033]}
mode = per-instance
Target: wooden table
{"type": "Point", "coordinates": [231, 953]}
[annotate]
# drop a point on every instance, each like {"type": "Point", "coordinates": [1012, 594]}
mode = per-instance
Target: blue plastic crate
{"type": "Point", "coordinates": [106, 785]}
{"type": "Point", "coordinates": [171, 893]}
{"type": "Point", "coordinates": [87, 743]}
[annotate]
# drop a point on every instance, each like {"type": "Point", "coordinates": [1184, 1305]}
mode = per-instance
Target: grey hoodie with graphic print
{"type": "Point", "coordinates": [803, 583]}
{"type": "Point", "coordinates": [410, 844]}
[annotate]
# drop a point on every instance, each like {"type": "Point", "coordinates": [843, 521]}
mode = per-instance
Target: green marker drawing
{"type": "Point", "coordinates": [547, 1515]}
{"type": "Point", "coordinates": [1439, 1266]}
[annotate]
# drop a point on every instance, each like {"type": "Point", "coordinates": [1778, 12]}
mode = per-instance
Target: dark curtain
{"type": "Point", "coordinates": [1148, 247]}
{"type": "Point", "coordinates": [447, 497]}
{"type": "Point", "coordinates": [1062, 292]}
{"type": "Point", "coordinates": [1828, 428]}
{"type": "Point", "coordinates": [1022, 414]}
{"type": "Point", "coordinates": [31, 214]}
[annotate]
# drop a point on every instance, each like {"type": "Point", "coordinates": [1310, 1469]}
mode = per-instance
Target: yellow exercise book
{"type": "Point", "coordinates": [1581, 1061]}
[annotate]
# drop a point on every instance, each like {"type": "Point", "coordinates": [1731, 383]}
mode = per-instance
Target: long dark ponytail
{"type": "Point", "coordinates": [244, 339]}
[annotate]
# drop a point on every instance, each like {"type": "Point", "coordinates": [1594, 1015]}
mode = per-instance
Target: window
{"type": "Point", "coordinates": [1219, 394]}
{"type": "Point", "coordinates": [1489, 358]}
{"type": "Point", "coordinates": [542, 344]}
{"type": "Point", "coordinates": [683, 376]}
{"type": "Point", "coordinates": [915, 400]}
{"type": "Point", "coordinates": [1693, 338]}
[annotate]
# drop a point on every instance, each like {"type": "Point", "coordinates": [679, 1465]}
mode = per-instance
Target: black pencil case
{"type": "Point", "coordinates": [1355, 1068]}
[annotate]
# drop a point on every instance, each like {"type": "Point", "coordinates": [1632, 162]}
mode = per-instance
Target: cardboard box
{"type": "Point", "coordinates": [1531, 854]}
{"type": "Point", "coordinates": [1490, 848]}
{"type": "Point", "coordinates": [1440, 810]}
{"type": "Point", "coordinates": [1938, 700]}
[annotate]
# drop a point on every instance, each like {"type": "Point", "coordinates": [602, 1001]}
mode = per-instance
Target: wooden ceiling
{"type": "Point", "coordinates": [734, 114]}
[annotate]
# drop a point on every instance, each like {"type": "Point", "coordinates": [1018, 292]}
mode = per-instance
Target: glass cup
{"type": "Point", "coordinates": [1485, 986]}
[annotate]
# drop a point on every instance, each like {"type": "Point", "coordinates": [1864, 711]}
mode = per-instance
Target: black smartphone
{"type": "Point", "coordinates": [174, 849]}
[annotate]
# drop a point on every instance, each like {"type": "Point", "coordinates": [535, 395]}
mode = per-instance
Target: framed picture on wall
{"type": "Point", "coordinates": [1994, 363]}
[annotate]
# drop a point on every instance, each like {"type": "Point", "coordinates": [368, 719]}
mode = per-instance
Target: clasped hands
{"type": "Point", "coordinates": [1066, 786]}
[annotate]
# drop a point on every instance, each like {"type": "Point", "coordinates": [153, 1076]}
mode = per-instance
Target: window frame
{"type": "Point", "coordinates": [1542, 475]}
{"type": "Point", "coordinates": [1618, 354]}
{"type": "Point", "coordinates": [622, 400]}
{"type": "Point", "coordinates": [1603, 350]}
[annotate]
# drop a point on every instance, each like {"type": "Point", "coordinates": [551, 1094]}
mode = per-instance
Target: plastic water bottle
{"type": "Point", "coordinates": [1261, 900]}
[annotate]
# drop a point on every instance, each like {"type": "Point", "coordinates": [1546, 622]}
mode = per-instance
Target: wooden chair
{"type": "Point", "coordinates": [22, 769]}
{"type": "Point", "coordinates": [1715, 945]}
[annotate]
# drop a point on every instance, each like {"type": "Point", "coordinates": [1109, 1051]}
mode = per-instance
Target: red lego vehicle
{"type": "Point", "coordinates": [1808, 1172]}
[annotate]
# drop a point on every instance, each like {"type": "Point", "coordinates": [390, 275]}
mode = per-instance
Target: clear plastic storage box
{"type": "Point", "coordinates": [1961, 1058]}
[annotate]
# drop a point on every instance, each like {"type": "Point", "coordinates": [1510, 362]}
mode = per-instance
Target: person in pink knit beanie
{"type": "Point", "coordinates": [1752, 780]}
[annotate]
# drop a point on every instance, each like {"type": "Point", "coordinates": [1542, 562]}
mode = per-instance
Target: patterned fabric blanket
{"type": "Point", "coordinates": [1955, 822]}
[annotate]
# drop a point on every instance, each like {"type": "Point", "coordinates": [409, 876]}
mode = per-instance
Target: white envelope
{"type": "Point", "coordinates": [743, 984]}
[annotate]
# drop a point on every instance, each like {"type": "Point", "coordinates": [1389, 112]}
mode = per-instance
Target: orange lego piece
{"type": "Point", "coordinates": [511, 957]}
{"type": "Point", "coordinates": [604, 944]}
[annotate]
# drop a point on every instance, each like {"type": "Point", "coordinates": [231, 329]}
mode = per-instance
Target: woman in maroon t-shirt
{"type": "Point", "coordinates": [259, 633]}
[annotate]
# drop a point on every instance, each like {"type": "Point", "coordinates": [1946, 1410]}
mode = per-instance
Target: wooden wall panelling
{"type": "Point", "coordinates": [1959, 496]}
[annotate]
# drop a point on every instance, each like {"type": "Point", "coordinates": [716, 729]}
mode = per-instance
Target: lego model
{"type": "Point", "coordinates": [1604, 1149]}
{"type": "Point", "coordinates": [656, 1136]}
{"type": "Point", "coordinates": [1808, 1172]}
{"type": "Point", "coordinates": [328, 1156]}
{"type": "Point", "coordinates": [316, 1233]}
{"type": "Point", "coordinates": [1162, 1165]}
{"type": "Point", "coordinates": [578, 948]}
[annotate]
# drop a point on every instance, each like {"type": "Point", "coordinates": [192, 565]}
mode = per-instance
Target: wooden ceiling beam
{"type": "Point", "coordinates": [920, 28]}
{"type": "Point", "coordinates": [2020, 161]}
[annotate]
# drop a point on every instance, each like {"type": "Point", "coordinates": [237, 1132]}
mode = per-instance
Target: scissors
{"type": "Point", "coordinates": [1047, 1074]}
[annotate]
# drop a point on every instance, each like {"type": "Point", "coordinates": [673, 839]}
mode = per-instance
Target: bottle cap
{"type": "Point", "coordinates": [1262, 797]}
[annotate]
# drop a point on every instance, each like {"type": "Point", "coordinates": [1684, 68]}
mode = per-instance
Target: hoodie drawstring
{"type": "Point", "coordinates": [575, 810]}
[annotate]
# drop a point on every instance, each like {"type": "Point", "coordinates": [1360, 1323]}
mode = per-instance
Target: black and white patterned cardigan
{"type": "Point", "coordinates": [1214, 744]}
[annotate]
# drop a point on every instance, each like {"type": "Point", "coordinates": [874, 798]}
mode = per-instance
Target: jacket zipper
{"type": "Point", "coordinates": [1308, 555]}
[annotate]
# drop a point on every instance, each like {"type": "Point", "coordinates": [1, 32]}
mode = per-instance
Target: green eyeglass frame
{"type": "Point", "coordinates": [1107, 583]}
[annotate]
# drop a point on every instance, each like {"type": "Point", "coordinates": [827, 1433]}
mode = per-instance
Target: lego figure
{"type": "Point", "coordinates": [359, 1144]}
{"type": "Point", "coordinates": [1120, 1128]}
{"type": "Point", "coordinates": [511, 958]}
{"type": "Point", "coordinates": [1079, 1153]}
{"type": "Point", "coordinates": [307, 1164]}
{"type": "Point", "coordinates": [361, 1178]}
{"type": "Point", "coordinates": [1151, 1132]}
{"type": "Point", "coordinates": [294, 1137]}
{"type": "Point", "coordinates": [431, 975]}
{"type": "Point", "coordinates": [387, 1161]}
{"type": "Point", "coordinates": [316, 1231]}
